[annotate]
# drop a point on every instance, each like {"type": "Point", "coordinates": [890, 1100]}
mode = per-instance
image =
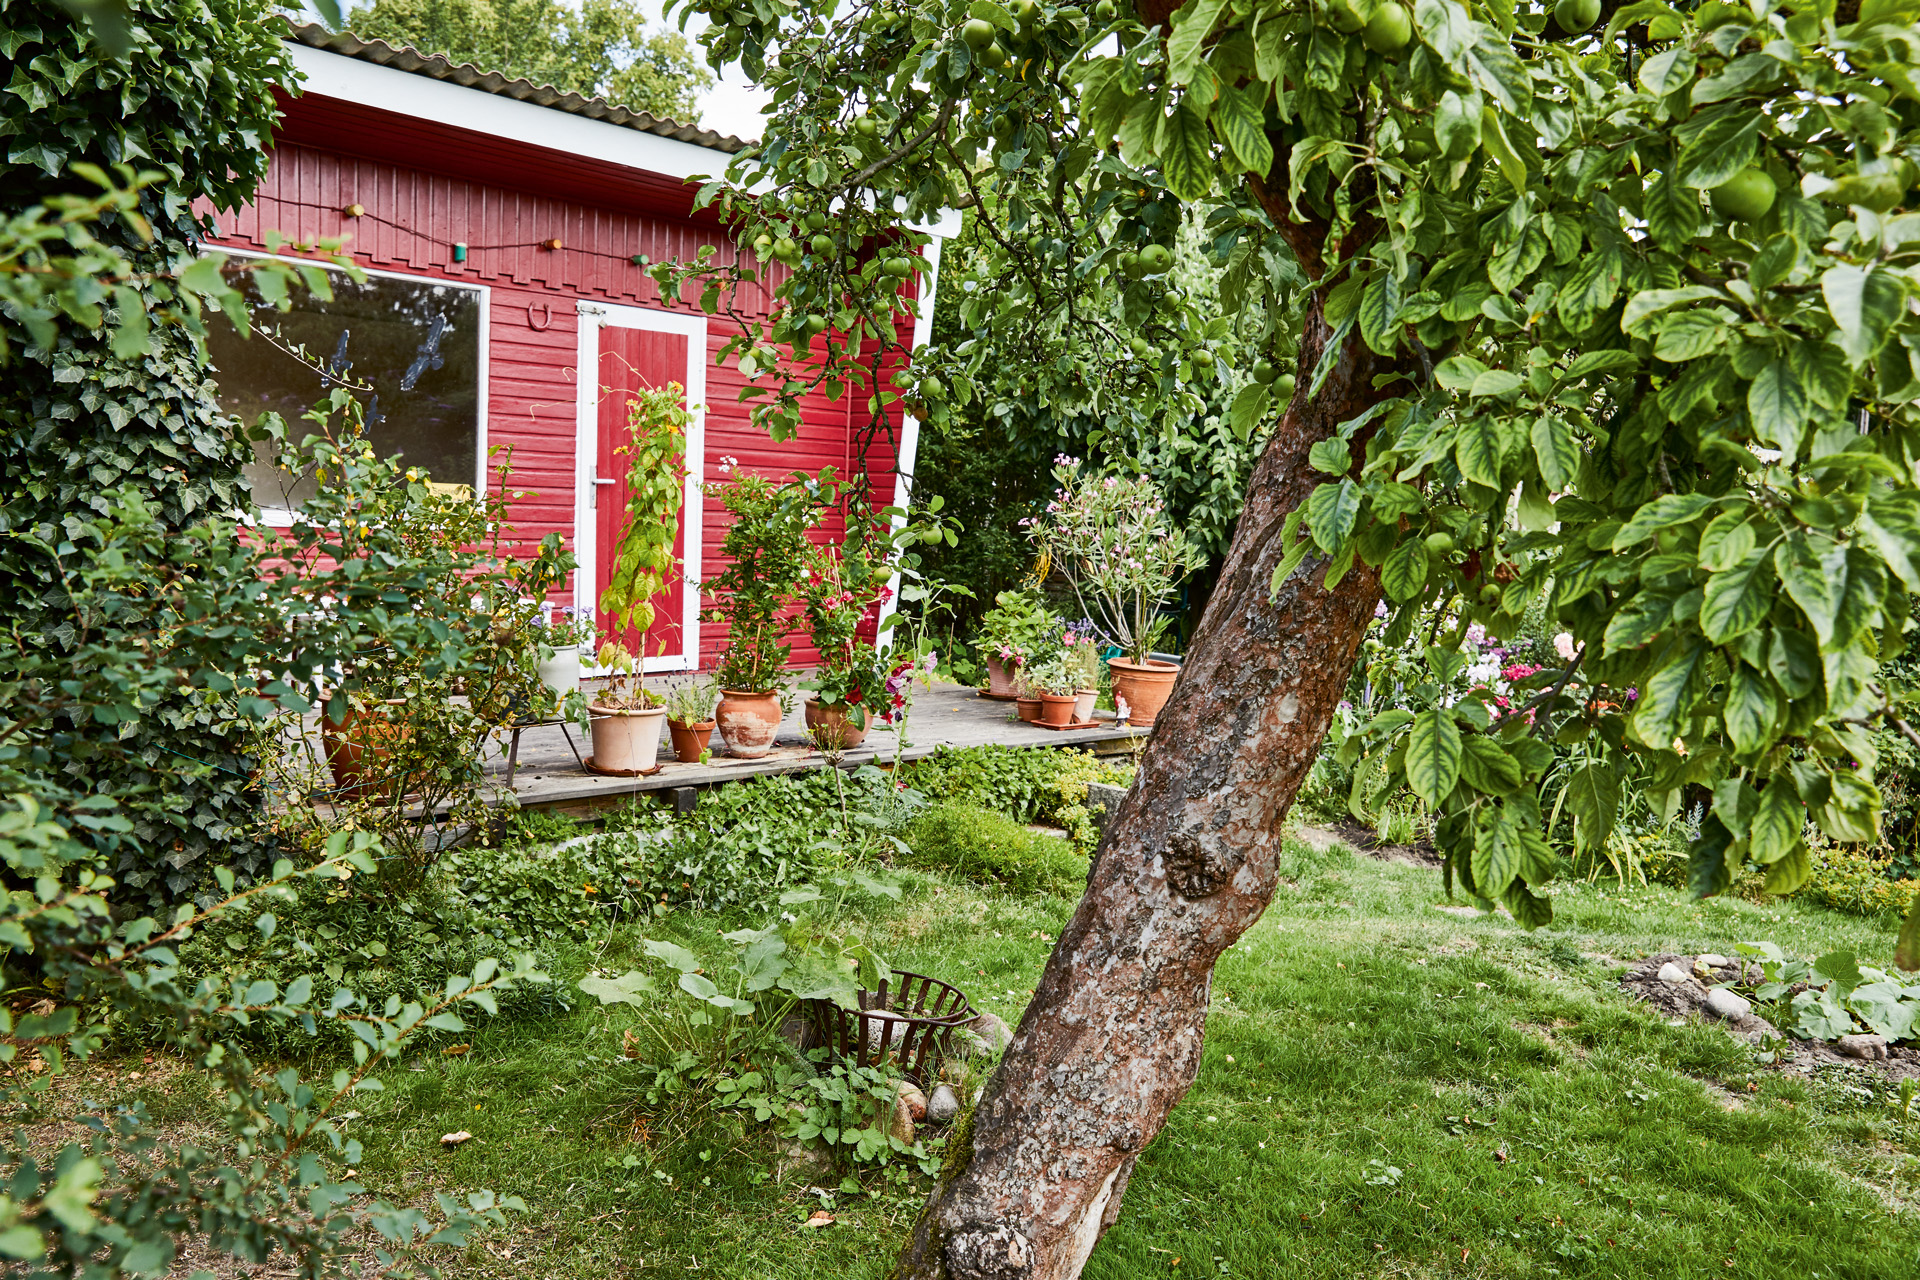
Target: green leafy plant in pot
{"type": "Point", "coordinates": [690, 718]}
{"type": "Point", "coordinates": [767, 549]}
{"type": "Point", "coordinates": [1013, 633]}
{"type": "Point", "coordinates": [1113, 542]}
{"type": "Point", "coordinates": [1054, 681]}
{"type": "Point", "coordinates": [626, 716]}
{"type": "Point", "coordinates": [842, 585]}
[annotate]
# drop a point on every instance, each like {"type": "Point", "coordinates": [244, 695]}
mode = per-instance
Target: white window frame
{"type": "Point", "coordinates": [282, 517]}
{"type": "Point", "coordinates": [595, 316]}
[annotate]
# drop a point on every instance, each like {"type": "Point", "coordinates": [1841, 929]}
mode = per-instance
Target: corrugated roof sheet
{"type": "Point", "coordinates": [441, 67]}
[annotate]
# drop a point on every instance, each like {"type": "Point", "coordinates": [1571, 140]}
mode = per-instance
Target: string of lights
{"type": "Point", "coordinates": [459, 249]}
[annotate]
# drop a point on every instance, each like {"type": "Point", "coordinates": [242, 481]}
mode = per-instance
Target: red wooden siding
{"type": "Point", "coordinates": [406, 175]}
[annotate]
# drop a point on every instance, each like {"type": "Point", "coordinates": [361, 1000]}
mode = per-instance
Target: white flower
{"type": "Point", "coordinates": [1563, 645]}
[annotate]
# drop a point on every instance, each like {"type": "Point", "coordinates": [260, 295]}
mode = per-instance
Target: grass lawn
{"type": "Point", "coordinates": [1388, 1090]}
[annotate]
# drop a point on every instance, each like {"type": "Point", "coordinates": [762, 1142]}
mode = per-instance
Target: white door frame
{"type": "Point", "coordinates": [586, 525]}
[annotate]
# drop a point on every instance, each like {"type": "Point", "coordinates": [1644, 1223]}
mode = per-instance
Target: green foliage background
{"type": "Point", "coordinates": [78, 423]}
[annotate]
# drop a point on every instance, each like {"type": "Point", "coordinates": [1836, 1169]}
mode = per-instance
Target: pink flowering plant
{"type": "Point", "coordinates": [767, 549]}
{"type": "Point", "coordinates": [1114, 543]}
{"type": "Point", "coordinates": [843, 587]}
{"type": "Point", "coordinates": [1019, 629]}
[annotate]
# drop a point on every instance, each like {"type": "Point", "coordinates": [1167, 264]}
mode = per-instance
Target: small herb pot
{"type": "Point", "coordinates": [689, 740]}
{"type": "Point", "coordinates": [1028, 709]}
{"type": "Point", "coordinates": [561, 672]}
{"type": "Point", "coordinates": [833, 727]}
{"type": "Point", "coordinates": [1057, 708]}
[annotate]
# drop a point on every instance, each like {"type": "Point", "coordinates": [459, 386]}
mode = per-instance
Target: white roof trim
{"type": "Point", "coordinates": [335, 75]}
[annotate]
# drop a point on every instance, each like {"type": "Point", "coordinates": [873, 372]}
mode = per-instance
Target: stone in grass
{"type": "Point", "coordinates": [984, 1035]}
{"type": "Point", "coordinates": [1713, 960]}
{"type": "Point", "coordinates": [1671, 972]}
{"type": "Point", "coordinates": [900, 1126]}
{"type": "Point", "coordinates": [916, 1101]}
{"type": "Point", "coordinates": [1722, 1003]}
{"type": "Point", "coordinates": [943, 1106]}
{"type": "Point", "coordinates": [1867, 1048]}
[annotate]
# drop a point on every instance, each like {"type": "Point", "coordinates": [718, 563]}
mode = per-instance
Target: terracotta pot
{"type": "Point", "coordinates": [1144, 686]}
{"type": "Point", "coordinates": [748, 721]}
{"type": "Point", "coordinates": [1057, 708]}
{"type": "Point", "coordinates": [356, 746]}
{"type": "Point", "coordinates": [1029, 709]}
{"type": "Point", "coordinates": [689, 740]}
{"type": "Point", "coordinates": [1083, 700]}
{"type": "Point", "coordinates": [833, 727]}
{"type": "Point", "coordinates": [626, 740]}
{"type": "Point", "coordinates": [1000, 678]}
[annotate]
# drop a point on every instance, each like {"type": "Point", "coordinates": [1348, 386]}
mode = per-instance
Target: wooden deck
{"type": "Point", "coordinates": [547, 776]}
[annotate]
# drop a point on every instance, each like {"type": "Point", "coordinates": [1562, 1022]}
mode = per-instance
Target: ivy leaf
{"type": "Point", "coordinates": [1738, 599]}
{"type": "Point", "coordinates": [1433, 756]}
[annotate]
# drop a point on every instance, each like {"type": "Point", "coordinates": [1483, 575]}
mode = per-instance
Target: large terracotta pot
{"type": "Point", "coordinates": [1083, 702]}
{"type": "Point", "coordinates": [833, 728]}
{"type": "Point", "coordinates": [689, 740]}
{"type": "Point", "coordinates": [1057, 708]}
{"type": "Point", "coordinates": [1028, 709]}
{"type": "Point", "coordinates": [1144, 686]}
{"type": "Point", "coordinates": [1000, 678]}
{"type": "Point", "coordinates": [748, 721]}
{"type": "Point", "coordinates": [357, 746]}
{"type": "Point", "coordinates": [626, 740]}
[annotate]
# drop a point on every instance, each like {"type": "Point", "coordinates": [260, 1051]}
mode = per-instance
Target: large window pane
{"type": "Point", "coordinates": [413, 344]}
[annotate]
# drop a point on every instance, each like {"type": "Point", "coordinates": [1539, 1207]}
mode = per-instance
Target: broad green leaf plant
{"type": "Point", "coordinates": [1643, 291]}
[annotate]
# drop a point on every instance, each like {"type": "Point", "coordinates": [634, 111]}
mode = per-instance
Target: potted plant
{"type": "Point", "coordinates": [841, 587]}
{"type": "Point", "coordinates": [1010, 634]}
{"type": "Point", "coordinates": [690, 718]}
{"type": "Point", "coordinates": [1054, 681]}
{"type": "Point", "coordinates": [766, 548]}
{"type": "Point", "coordinates": [1026, 697]}
{"type": "Point", "coordinates": [1113, 542]}
{"type": "Point", "coordinates": [626, 716]}
{"type": "Point", "coordinates": [567, 629]}
{"type": "Point", "coordinates": [1081, 653]}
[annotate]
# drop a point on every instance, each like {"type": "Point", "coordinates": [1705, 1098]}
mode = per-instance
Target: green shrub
{"type": "Point", "coordinates": [992, 848]}
{"type": "Point", "coordinates": [1032, 784]}
{"type": "Point", "coordinates": [1850, 879]}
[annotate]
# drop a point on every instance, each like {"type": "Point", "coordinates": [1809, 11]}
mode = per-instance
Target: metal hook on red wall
{"type": "Point", "coordinates": [547, 310]}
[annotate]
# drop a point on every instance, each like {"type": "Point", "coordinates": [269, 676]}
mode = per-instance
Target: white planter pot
{"type": "Point", "coordinates": [1083, 700]}
{"type": "Point", "coordinates": [627, 741]}
{"type": "Point", "coordinates": [561, 672]}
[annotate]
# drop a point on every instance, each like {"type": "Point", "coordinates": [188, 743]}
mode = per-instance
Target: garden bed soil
{"type": "Point", "coordinates": [1361, 839]}
{"type": "Point", "coordinates": [1688, 999]}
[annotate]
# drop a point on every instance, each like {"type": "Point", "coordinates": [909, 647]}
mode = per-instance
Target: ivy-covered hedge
{"type": "Point", "coordinates": [80, 426]}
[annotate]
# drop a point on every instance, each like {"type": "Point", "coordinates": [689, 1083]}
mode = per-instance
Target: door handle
{"type": "Point", "coordinates": [597, 482]}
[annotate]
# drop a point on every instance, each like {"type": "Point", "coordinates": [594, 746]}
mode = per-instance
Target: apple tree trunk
{"type": "Point", "coordinates": [1112, 1039]}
